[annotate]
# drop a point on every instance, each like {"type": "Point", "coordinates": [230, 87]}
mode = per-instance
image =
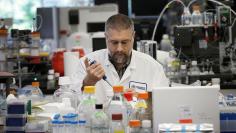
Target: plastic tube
{"type": "Point", "coordinates": [161, 14]}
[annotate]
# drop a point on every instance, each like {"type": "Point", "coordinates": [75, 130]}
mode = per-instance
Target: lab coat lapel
{"type": "Point", "coordinates": [129, 70]}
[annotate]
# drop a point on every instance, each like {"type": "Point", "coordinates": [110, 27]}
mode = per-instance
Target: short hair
{"type": "Point", "coordinates": [119, 22]}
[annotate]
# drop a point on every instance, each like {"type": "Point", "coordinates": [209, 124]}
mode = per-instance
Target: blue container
{"type": "Point", "coordinates": [15, 120]}
{"type": "Point", "coordinates": [16, 108]}
{"type": "Point", "coordinates": [227, 122]}
{"type": "Point", "coordinates": [14, 130]}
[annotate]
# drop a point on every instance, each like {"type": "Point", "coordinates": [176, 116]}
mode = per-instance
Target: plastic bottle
{"type": "Point", "coordinates": [63, 38]}
{"type": "Point", "coordinates": [134, 126]}
{"type": "Point", "coordinates": [35, 44]}
{"type": "Point", "coordinates": [83, 126]}
{"type": "Point", "coordinates": [128, 96]}
{"type": "Point", "coordinates": [197, 18]}
{"type": "Point", "coordinates": [87, 105]}
{"type": "Point", "coordinates": [183, 74]}
{"type": "Point", "coordinates": [65, 92]}
{"type": "Point", "coordinates": [117, 125]}
{"type": "Point", "coordinates": [56, 75]}
{"type": "Point", "coordinates": [46, 47]}
{"type": "Point", "coordinates": [166, 43]}
{"type": "Point", "coordinates": [194, 70]}
{"type": "Point", "coordinates": [51, 82]}
{"type": "Point", "coordinates": [146, 126]}
{"type": "Point", "coordinates": [186, 17]}
{"type": "Point", "coordinates": [3, 35]}
{"type": "Point", "coordinates": [140, 107]}
{"type": "Point", "coordinates": [117, 104]}
{"type": "Point", "coordinates": [99, 120]}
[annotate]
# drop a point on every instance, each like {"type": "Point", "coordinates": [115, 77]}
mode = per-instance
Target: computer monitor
{"type": "Point", "coordinates": [198, 103]}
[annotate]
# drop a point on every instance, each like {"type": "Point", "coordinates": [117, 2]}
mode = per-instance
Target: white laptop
{"type": "Point", "coordinates": [175, 104]}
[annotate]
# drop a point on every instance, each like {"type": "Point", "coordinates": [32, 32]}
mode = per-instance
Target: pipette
{"type": "Point", "coordinates": [104, 77]}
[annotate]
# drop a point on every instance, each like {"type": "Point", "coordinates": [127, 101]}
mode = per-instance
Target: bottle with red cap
{"type": "Point", "coordinates": [117, 105]}
{"type": "Point", "coordinates": [128, 99]}
{"type": "Point", "coordinates": [117, 126]}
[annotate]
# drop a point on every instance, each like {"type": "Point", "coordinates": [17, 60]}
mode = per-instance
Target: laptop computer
{"type": "Point", "coordinates": [186, 104]}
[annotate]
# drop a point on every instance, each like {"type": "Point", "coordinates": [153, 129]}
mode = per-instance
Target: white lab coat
{"type": "Point", "coordinates": [143, 73]}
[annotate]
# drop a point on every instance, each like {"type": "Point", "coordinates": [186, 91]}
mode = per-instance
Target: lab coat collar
{"type": "Point", "coordinates": [132, 62]}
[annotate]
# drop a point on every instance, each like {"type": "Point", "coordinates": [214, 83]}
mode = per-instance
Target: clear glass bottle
{"type": "Point", "coordinates": [183, 74]}
{"type": "Point", "coordinates": [134, 126]}
{"type": "Point", "coordinates": [3, 34]}
{"type": "Point", "coordinates": [117, 125]}
{"type": "Point", "coordinates": [51, 82]}
{"type": "Point", "coordinates": [186, 17]}
{"type": "Point", "coordinates": [194, 70]}
{"type": "Point", "coordinates": [140, 107]}
{"type": "Point", "coordinates": [35, 36]}
{"type": "Point", "coordinates": [63, 39]}
{"type": "Point", "coordinates": [117, 105]}
{"type": "Point", "coordinates": [83, 127]}
{"type": "Point", "coordinates": [146, 126]}
{"type": "Point", "coordinates": [66, 92]}
{"type": "Point", "coordinates": [87, 105]}
{"type": "Point", "coordinates": [197, 18]}
{"type": "Point", "coordinates": [99, 120]}
{"type": "Point", "coordinates": [128, 96]}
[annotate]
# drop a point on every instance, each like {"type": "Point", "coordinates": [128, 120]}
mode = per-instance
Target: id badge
{"type": "Point", "coordinates": [138, 85]}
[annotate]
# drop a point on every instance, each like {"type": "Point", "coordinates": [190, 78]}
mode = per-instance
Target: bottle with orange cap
{"type": "Point", "coordinates": [134, 126]}
{"type": "Point", "coordinates": [87, 106]}
{"type": "Point", "coordinates": [117, 104]}
{"type": "Point", "coordinates": [141, 106]}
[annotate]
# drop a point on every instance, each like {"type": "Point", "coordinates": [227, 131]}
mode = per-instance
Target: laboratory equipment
{"type": "Point", "coordinates": [186, 101]}
{"type": "Point", "coordinates": [148, 47]}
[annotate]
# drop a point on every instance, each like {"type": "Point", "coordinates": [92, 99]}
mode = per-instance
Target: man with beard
{"type": "Point", "coordinates": [119, 62]}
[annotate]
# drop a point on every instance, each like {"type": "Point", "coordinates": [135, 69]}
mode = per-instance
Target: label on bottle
{"type": "Point", "coordinates": [119, 131]}
{"type": "Point", "coordinates": [141, 105]}
{"type": "Point", "coordinates": [89, 101]}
